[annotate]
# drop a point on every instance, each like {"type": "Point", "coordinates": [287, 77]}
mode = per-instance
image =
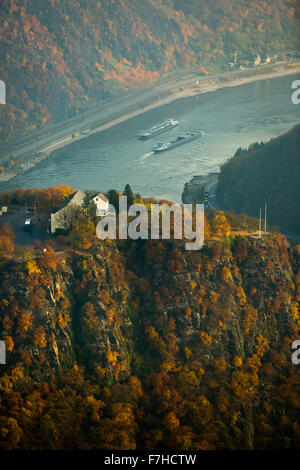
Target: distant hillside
{"type": "Point", "coordinates": [58, 57]}
{"type": "Point", "coordinates": [265, 173]}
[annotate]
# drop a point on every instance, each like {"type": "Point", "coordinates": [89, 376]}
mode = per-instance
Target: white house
{"type": "Point", "coordinates": [101, 202]}
{"type": "Point", "coordinates": [60, 215]}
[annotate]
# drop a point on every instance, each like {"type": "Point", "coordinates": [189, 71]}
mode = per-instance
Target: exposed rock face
{"type": "Point", "coordinates": [159, 339]}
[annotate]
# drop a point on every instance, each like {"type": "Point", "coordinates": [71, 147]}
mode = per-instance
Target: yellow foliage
{"type": "Point", "coordinates": [188, 312]}
{"type": "Point", "coordinates": [237, 361]}
{"type": "Point", "coordinates": [220, 365]}
{"type": "Point", "coordinates": [9, 344]}
{"type": "Point", "coordinates": [205, 338]}
{"type": "Point", "coordinates": [214, 297]}
{"type": "Point", "coordinates": [187, 352]}
{"type": "Point", "coordinates": [39, 337]}
{"type": "Point", "coordinates": [32, 267]}
{"type": "Point", "coordinates": [171, 421]}
{"type": "Point", "coordinates": [110, 315]}
{"type": "Point", "coordinates": [241, 296]}
{"type": "Point", "coordinates": [295, 312]}
{"type": "Point", "coordinates": [112, 357]}
{"type": "Point", "coordinates": [225, 274]}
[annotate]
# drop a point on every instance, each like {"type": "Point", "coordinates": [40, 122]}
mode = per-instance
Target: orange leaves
{"type": "Point", "coordinates": [295, 314]}
{"type": "Point", "coordinates": [123, 414]}
{"type": "Point", "coordinates": [151, 333]}
{"type": "Point", "coordinates": [225, 273]}
{"type": "Point", "coordinates": [48, 259]}
{"type": "Point", "coordinates": [250, 316]}
{"type": "Point", "coordinates": [39, 337]}
{"type": "Point", "coordinates": [187, 352]}
{"type": "Point", "coordinates": [214, 296]}
{"type": "Point", "coordinates": [105, 297]}
{"type": "Point", "coordinates": [241, 296]}
{"type": "Point", "coordinates": [188, 312]}
{"type": "Point", "coordinates": [112, 357]}
{"type": "Point", "coordinates": [219, 224]}
{"type": "Point", "coordinates": [32, 267]}
{"type": "Point", "coordinates": [134, 76]}
{"type": "Point", "coordinates": [237, 361]}
{"type": "Point", "coordinates": [63, 319]}
{"type": "Point", "coordinates": [171, 421]}
{"type": "Point", "coordinates": [7, 237]}
{"type": "Point", "coordinates": [46, 198]}
{"type": "Point", "coordinates": [205, 338]}
{"type": "Point", "coordinates": [24, 323]}
{"type": "Point", "coordinates": [95, 408]}
{"type": "Point", "coordinates": [220, 365]}
{"type": "Point", "coordinates": [90, 318]}
{"type": "Point", "coordinates": [136, 387]}
{"type": "Point", "coordinates": [262, 345]}
{"type": "Point", "coordinates": [9, 343]}
{"type": "Point", "coordinates": [110, 315]}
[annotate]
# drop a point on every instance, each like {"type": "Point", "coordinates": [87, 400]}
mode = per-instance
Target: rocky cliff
{"type": "Point", "coordinates": [145, 345]}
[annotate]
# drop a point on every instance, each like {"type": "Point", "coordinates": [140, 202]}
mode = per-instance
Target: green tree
{"type": "Point", "coordinates": [113, 198]}
{"type": "Point", "coordinates": [130, 196]}
{"type": "Point", "coordinates": [89, 205]}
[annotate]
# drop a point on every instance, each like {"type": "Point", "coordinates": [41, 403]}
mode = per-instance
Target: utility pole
{"type": "Point", "coordinates": [259, 229]}
{"type": "Point", "coordinates": [265, 218]}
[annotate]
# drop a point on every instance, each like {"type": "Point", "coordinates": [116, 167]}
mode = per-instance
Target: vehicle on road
{"type": "Point", "coordinates": [28, 225]}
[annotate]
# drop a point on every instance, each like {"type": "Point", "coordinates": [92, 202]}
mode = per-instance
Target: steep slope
{"type": "Point", "coordinates": [265, 173]}
{"type": "Point", "coordinates": [60, 57]}
{"type": "Point", "coordinates": [145, 345]}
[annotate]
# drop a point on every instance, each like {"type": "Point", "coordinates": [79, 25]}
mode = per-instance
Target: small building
{"type": "Point", "coordinates": [265, 59]}
{"type": "Point", "coordinates": [101, 202]}
{"type": "Point", "coordinates": [59, 215]}
{"type": "Point", "coordinates": [255, 59]}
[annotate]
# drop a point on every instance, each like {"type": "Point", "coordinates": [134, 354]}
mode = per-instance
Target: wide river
{"type": "Point", "coordinates": [229, 118]}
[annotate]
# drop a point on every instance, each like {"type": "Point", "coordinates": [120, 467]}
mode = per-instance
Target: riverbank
{"type": "Point", "coordinates": [163, 95]}
{"type": "Point", "coordinates": [193, 191]}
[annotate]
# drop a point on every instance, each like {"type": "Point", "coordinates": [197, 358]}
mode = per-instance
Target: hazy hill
{"type": "Point", "coordinates": [265, 173]}
{"type": "Point", "coordinates": [59, 57]}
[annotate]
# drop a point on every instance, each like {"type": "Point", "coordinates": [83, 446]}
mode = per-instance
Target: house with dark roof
{"type": "Point", "coordinates": [59, 215]}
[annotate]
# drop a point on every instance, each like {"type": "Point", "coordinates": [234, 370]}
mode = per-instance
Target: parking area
{"type": "Point", "coordinates": [16, 216]}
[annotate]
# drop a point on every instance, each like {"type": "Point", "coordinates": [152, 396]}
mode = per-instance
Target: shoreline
{"type": "Point", "coordinates": [208, 85]}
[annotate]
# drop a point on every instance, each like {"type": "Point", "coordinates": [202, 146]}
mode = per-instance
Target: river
{"type": "Point", "coordinates": [229, 118]}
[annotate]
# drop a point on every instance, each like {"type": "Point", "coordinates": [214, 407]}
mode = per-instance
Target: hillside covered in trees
{"type": "Point", "coordinates": [144, 345]}
{"type": "Point", "coordinates": [262, 173]}
{"type": "Point", "coordinates": [59, 57]}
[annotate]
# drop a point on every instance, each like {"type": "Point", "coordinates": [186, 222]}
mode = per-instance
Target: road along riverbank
{"type": "Point", "coordinates": [168, 93]}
